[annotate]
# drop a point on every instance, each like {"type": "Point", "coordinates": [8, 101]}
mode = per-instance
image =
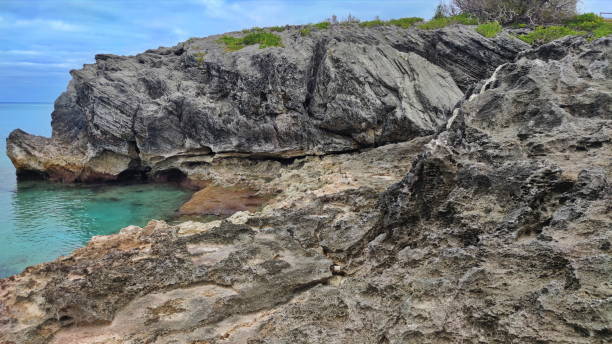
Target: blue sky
{"type": "Point", "coordinates": [41, 40]}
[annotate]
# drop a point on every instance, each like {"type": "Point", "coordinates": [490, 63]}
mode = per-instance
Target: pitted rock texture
{"type": "Point", "coordinates": [468, 236]}
{"type": "Point", "coordinates": [151, 284]}
{"type": "Point", "coordinates": [335, 90]}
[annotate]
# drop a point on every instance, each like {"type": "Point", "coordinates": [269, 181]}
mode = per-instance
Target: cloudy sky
{"type": "Point", "coordinates": [41, 40]}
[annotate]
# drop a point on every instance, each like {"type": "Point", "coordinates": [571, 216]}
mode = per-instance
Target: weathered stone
{"type": "Point", "coordinates": [496, 229]}
{"type": "Point", "coordinates": [217, 200]}
{"type": "Point", "coordinates": [333, 91]}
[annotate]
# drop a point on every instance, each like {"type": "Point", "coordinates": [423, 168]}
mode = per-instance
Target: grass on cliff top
{"type": "Point", "coordinates": [490, 29]}
{"type": "Point", "coordinates": [439, 23]}
{"type": "Point", "coordinates": [545, 34]}
{"type": "Point", "coordinates": [264, 39]}
{"type": "Point", "coordinates": [322, 25]}
{"type": "Point", "coordinates": [592, 23]}
{"type": "Point", "coordinates": [401, 22]}
{"type": "Point", "coordinates": [306, 31]}
{"type": "Point", "coordinates": [589, 24]}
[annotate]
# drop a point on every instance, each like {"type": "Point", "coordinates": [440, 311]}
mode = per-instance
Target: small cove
{"type": "Point", "coordinates": [40, 221]}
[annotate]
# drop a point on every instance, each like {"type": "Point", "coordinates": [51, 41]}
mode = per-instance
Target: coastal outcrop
{"type": "Point", "coordinates": [494, 227]}
{"type": "Point", "coordinates": [165, 111]}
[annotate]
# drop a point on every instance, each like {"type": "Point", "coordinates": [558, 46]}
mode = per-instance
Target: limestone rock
{"type": "Point", "coordinates": [336, 90]}
{"type": "Point", "coordinates": [496, 229]}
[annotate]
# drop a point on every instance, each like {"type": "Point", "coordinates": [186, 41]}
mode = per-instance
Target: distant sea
{"type": "Point", "coordinates": [40, 221]}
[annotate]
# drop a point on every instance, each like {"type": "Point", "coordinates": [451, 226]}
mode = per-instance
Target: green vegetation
{"type": "Point", "coordinates": [373, 23]}
{"type": "Point", "coordinates": [401, 22]}
{"type": "Point", "coordinates": [264, 39]}
{"type": "Point", "coordinates": [603, 30]}
{"type": "Point", "coordinates": [322, 25]}
{"type": "Point", "coordinates": [405, 22]}
{"type": "Point", "coordinates": [305, 31]}
{"type": "Point", "coordinates": [439, 23]}
{"type": "Point", "coordinates": [545, 34]}
{"type": "Point", "coordinates": [490, 29]}
{"type": "Point", "coordinates": [584, 24]}
{"type": "Point", "coordinates": [590, 22]}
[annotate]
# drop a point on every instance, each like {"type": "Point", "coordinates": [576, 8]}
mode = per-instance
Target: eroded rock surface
{"type": "Point", "coordinates": [335, 90]}
{"type": "Point", "coordinates": [497, 229]}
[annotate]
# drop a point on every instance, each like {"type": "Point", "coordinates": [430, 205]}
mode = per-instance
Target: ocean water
{"type": "Point", "coordinates": [40, 221]}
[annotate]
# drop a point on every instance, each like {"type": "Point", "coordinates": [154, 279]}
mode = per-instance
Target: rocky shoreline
{"type": "Point", "coordinates": [420, 187]}
{"type": "Point", "coordinates": [174, 112]}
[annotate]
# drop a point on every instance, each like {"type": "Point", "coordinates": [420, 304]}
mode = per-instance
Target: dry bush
{"type": "Point", "coordinates": [518, 11]}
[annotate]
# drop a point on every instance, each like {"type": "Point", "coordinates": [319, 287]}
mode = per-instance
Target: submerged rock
{"type": "Point", "coordinates": [496, 229]}
{"type": "Point", "coordinates": [335, 90]}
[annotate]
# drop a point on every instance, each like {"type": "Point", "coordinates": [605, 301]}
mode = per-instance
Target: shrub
{"type": "Point", "coordinates": [518, 11]}
{"type": "Point", "coordinates": [305, 31]}
{"type": "Point", "coordinates": [490, 29]}
{"type": "Point", "coordinates": [264, 39]}
{"type": "Point", "coordinates": [437, 23]}
{"type": "Point", "coordinates": [603, 30]}
{"type": "Point", "coordinates": [446, 21]}
{"type": "Point", "coordinates": [401, 22]}
{"type": "Point", "coordinates": [231, 43]}
{"type": "Point", "coordinates": [465, 19]}
{"type": "Point", "coordinates": [584, 20]}
{"type": "Point", "coordinates": [405, 22]}
{"type": "Point", "coordinates": [591, 22]}
{"type": "Point", "coordinates": [543, 35]}
{"type": "Point", "coordinates": [373, 23]}
{"type": "Point", "coordinates": [584, 24]}
{"type": "Point", "coordinates": [322, 25]}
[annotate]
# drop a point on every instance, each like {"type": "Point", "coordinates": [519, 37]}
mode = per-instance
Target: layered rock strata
{"type": "Point", "coordinates": [495, 229]}
{"type": "Point", "coordinates": [161, 113]}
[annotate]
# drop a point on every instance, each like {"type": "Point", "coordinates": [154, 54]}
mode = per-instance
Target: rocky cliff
{"type": "Point", "coordinates": [337, 90]}
{"type": "Point", "coordinates": [492, 228]}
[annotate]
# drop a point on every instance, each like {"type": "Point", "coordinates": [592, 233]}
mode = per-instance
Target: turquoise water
{"type": "Point", "coordinates": [40, 221]}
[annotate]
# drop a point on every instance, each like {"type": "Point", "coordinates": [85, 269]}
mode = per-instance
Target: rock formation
{"type": "Point", "coordinates": [338, 90]}
{"type": "Point", "coordinates": [493, 228]}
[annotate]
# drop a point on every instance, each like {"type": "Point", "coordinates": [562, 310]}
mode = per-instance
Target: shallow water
{"type": "Point", "coordinates": [39, 221]}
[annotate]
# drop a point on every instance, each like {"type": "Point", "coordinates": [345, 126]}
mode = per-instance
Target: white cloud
{"type": "Point", "coordinates": [21, 52]}
{"type": "Point", "coordinates": [37, 64]}
{"type": "Point", "coordinates": [57, 25]}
